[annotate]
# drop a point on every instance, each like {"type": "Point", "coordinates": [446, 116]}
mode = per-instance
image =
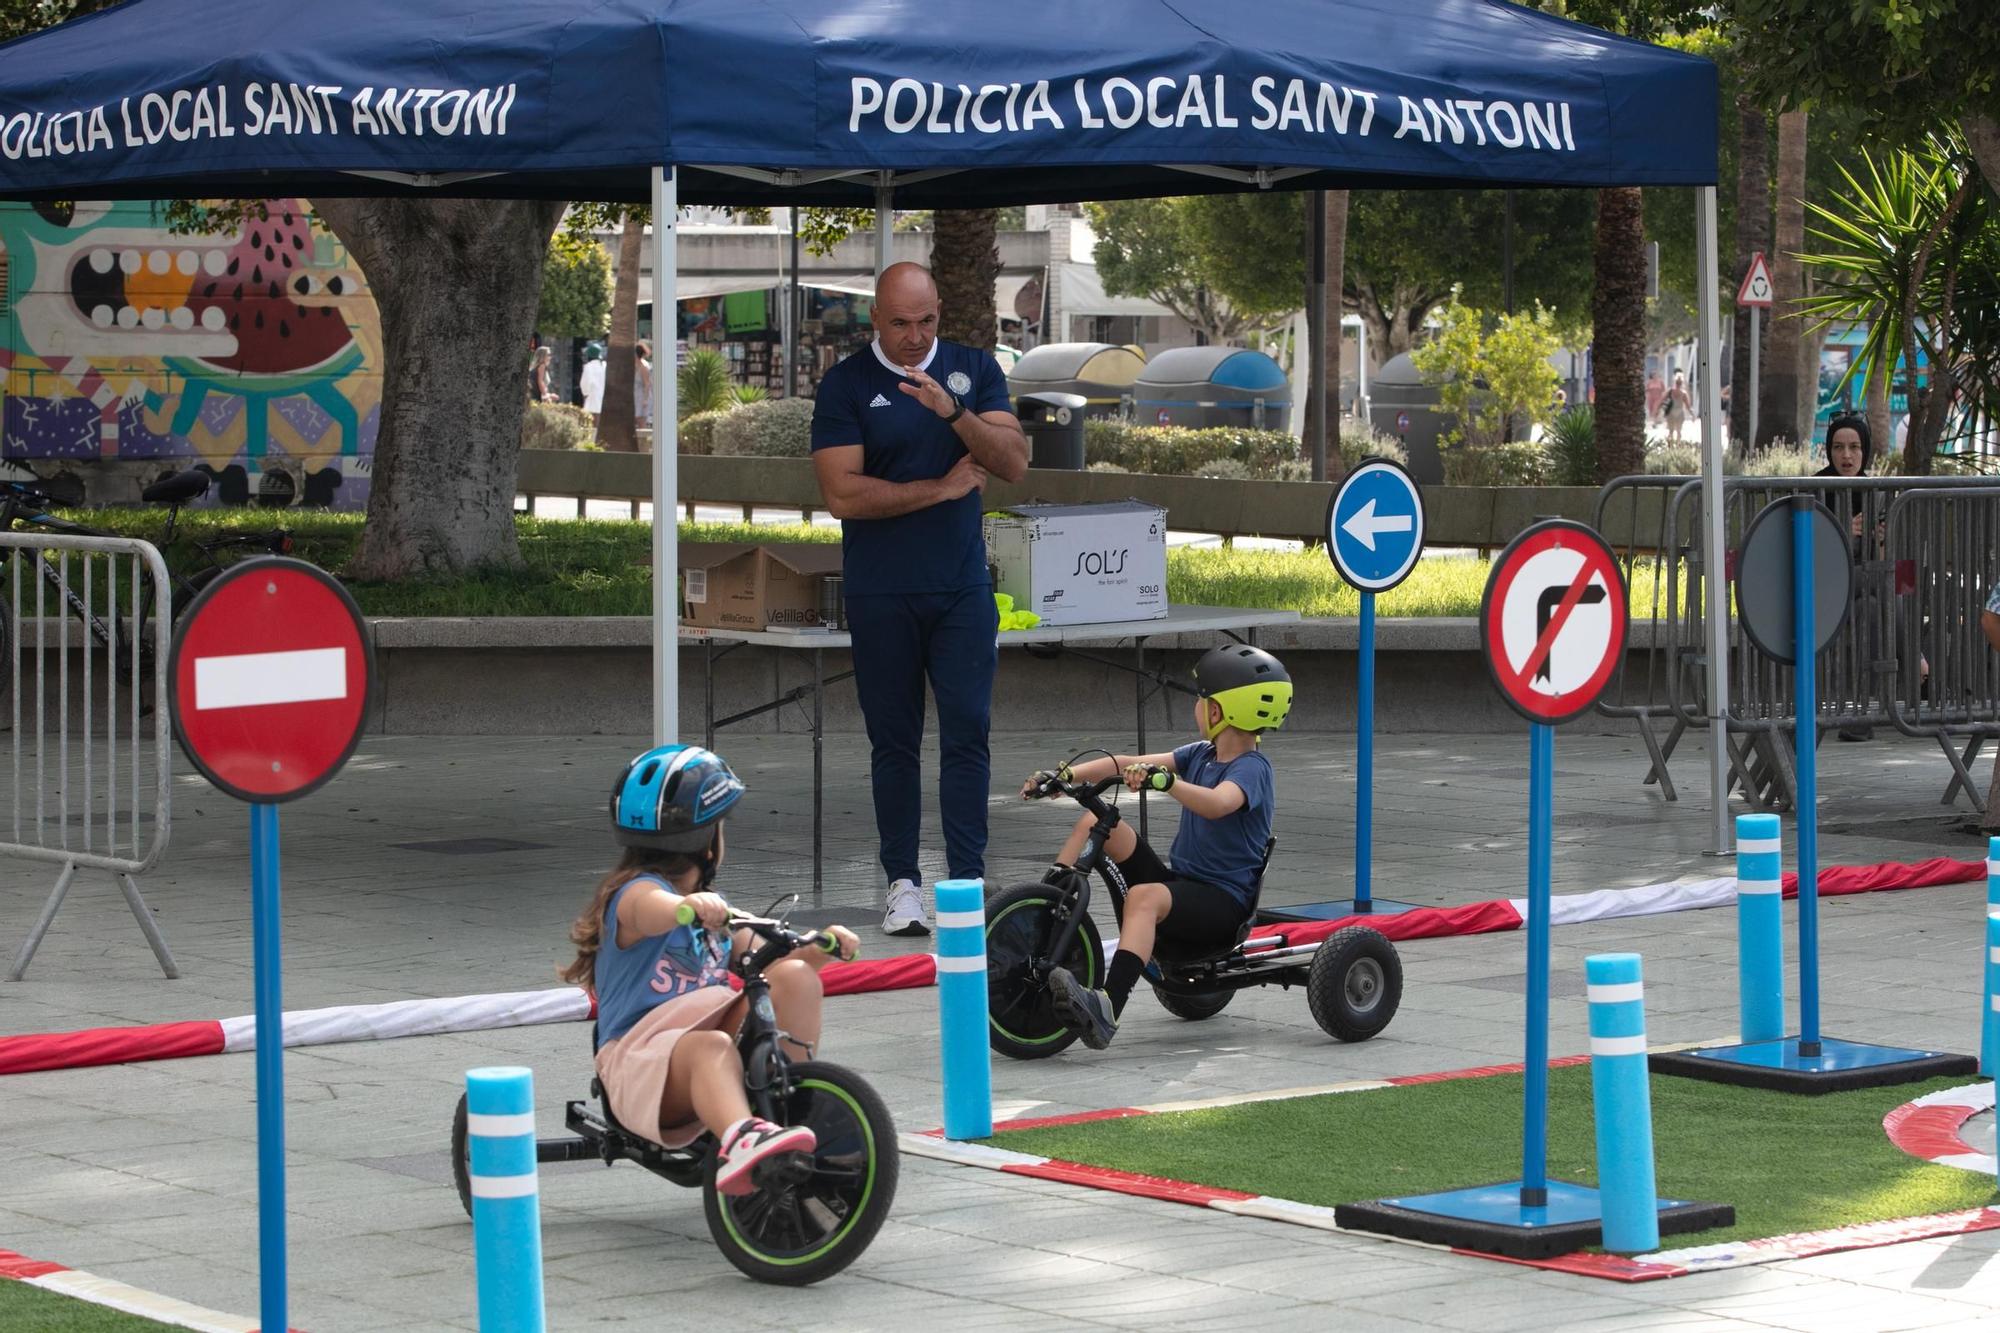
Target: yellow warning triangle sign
{"type": "Point", "coordinates": [1756, 288]}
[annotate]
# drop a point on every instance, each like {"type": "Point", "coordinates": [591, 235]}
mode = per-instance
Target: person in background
{"type": "Point", "coordinates": [642, 386]}
{"type": "Point", "coordinates": [1677, 406]}
{"type": "Point", "coordinates": [1655, 391]}
{"type": "Point", "coordinates": [539, 389]}
{"type": "Point", "coordinates": [904, 434]}
{"type": "Point", "coordinates": [590, 383]}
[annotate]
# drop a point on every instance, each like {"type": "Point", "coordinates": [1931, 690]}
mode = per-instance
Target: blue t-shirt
{"type": "Point", "coordinates": [630, 983]}
{"type": "Point", "coordinates": [940, 548]}
{"type": "Point", "coordinates": [1226, 852]}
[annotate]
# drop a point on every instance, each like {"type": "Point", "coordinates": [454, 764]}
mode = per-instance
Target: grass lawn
{"type": "Point", "coordinates": [1787, 1163]}
{"type": "Point", "coordinates": [596, 567]}
{"type": "Point", "coordinates": [26, 1309]}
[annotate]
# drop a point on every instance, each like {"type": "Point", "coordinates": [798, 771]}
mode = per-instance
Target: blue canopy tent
{"type": "Point", "coordinates": [938, 103]}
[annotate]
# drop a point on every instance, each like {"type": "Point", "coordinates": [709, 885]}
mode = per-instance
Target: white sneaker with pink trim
{"type": "Point", "coordinates": [750, 1141]}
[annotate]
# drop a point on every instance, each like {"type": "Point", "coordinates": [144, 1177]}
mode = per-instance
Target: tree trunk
{"type": "Point", "coordinates": [457, 282]}
{"type": "Point", "coordinates": [1811, 342]}
{"type": "Point", "coordinates": [1881, 429]}
{"type": "Point", "coordinates": [965, 261]}
{"type": "Point", "coordinates": [1753, 234]}
{"type": "Point", "coordinates": [1618, 320]}
{"type": "Point", "coordinates": [1982, 135]}
{"type": "Point", "coordinates": [1778, 412]}
{"type": "Point", "coordinates": [616, 426]}
{"type": "Point", "coordinates": [1336, 265]}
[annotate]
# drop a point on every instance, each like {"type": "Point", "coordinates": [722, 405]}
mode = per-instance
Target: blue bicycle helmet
{"type": "Point", "coordinates": [673, 798]}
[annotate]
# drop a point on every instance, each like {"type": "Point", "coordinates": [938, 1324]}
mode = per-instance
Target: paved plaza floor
{"type": "Point", "coordinates": [450, 866]}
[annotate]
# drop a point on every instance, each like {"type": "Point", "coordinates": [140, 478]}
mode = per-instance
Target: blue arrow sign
{"type": "Point", "coordinates": [1375, 526]}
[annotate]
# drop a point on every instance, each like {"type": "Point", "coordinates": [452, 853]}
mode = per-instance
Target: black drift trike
{"type": "Point", "coordinates": [808, 1215]}
{"type": "Point", "coordinates": [1353, 980]}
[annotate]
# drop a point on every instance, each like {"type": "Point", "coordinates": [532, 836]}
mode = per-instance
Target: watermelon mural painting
{"type": "Point", "coordinates": [127, 351]}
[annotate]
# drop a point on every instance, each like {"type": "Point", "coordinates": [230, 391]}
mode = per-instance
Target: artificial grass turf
{"type": "Point", "coordinates": [26, 1309]}
{"type": "Point", "coordinates": [1787, 1163]}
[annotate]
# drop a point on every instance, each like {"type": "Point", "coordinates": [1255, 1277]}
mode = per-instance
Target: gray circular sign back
{"type": "Point", "coordinates": [1764, 579]}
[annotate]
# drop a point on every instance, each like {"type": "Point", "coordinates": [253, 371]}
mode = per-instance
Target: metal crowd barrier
{"type": "Point", "coordinates": [1925, 555]}
{"type": "Point", "coordinates": [89, 770]}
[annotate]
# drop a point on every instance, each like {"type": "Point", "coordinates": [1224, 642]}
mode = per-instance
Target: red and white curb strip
{"type": "Point", "coordinates": [1929, 1127]}
{"type": "Point", "coordinates": [1643, 1268]}
{"type": "Point", "coordinates": [118, 1296]}
{"type": "Point", "coordinates": [33, 1052]}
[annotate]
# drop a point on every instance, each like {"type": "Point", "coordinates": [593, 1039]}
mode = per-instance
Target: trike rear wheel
{"type": "Point", "coordinates": [1020, 927]}
{"type": "Point", "coordinates": [1194, 1008]}
{"type": "Point", "coordinates": [809, 1219]}
{"type": "Point", "coordinates": [461, 1165]}
{"type": "Point", "coordinates": [1355, 984]}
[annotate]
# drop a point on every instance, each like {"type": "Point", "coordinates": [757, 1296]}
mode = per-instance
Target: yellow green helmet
{"type": "Point", "coordinates": [1252, 686]}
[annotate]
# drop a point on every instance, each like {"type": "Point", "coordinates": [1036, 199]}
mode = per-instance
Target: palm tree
{"type": "Point", "coordinates": [1778, 410]}
{"type": "Point", "coordinates": [1753, 234]}
{"type": "Point", "coordinates": [615, 428]}
{"type": "Point", "coordinates": [1618, 319]}
{"type": "Point", "coordinates": [965, 260]}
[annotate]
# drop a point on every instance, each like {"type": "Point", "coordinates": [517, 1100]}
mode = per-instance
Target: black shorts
{"type": "Point", "coordinates": [1202, 914]}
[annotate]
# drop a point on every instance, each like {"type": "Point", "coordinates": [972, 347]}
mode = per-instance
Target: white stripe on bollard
{"type": "Point", "coordinates": [503, 1187]}
{"type": "Point", "coordinates": [1617, 994]}
{"type": "Point", "coordinates": [949, 919]}
{"type": "Point", "coordinates": [967, 963]}
{"type": "Point", "coordinates": [1760, 886]}
{"type": "Point", "coordinates": [1992, 866]}
{"type": "Point", "coordinates": [500, 1126]}
{"type": "Point", "coordinates": [1618, 1045]}
{"type": "Point", "coordinates": [1753, 846]}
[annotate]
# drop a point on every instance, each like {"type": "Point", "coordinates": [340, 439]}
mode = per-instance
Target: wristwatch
{"type": "Point", "coordinates": [957, 408]}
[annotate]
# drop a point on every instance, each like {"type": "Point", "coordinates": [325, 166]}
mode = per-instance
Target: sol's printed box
{"type": "Point", "coordinates": [1081, 564]}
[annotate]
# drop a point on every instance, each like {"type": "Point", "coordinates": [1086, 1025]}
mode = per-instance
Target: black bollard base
{"type": "Point", "coordinates": [1839, 1066]}
{"type": "Point", "coordinates": [1492, 1220]}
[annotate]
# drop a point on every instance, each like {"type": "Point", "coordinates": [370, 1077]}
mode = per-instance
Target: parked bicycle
{"type": "Point", "coordinates": [191, 566]}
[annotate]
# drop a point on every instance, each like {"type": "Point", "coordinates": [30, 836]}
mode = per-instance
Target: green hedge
{"type": "Point", "coordinates": [698, 431]}
{"type": "Point", "coordinates": [776, 428]}
{"type": "Point", "coordinates": [1182, 450]}
{"type": "Point", "coordinates": [556, 426]}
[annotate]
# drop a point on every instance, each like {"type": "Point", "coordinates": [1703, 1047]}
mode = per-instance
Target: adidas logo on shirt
{"type": "Point", "coordinates": [880, 401]}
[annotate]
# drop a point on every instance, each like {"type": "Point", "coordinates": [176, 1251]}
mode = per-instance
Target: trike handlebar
{"type": "Point", "coordinates": [777, 932]}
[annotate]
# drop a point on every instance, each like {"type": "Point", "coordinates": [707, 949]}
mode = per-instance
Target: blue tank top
{"type": "Point", "coordinates": [630, 983]}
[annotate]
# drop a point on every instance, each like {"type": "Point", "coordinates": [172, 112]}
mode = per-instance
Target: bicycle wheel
{"type": "Point", "coordinates": [810, 1217]}
{"type": "Point", "coordinates": [1020, 923]}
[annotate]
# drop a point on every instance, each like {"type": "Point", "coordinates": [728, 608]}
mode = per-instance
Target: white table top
{"type": "Point", "coordinates": [1178, 620]}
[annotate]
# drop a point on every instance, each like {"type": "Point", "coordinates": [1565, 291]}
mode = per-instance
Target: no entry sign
{"type": "Point", "coordinates": [1553, 620]}
{"type": "Point", "coordinates": [269, 679]}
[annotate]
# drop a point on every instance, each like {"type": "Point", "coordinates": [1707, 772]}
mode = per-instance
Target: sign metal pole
{"type": "Point", "coordinates": [1756, 339]}
{"type": "Point", "coordinates": [1535, 1097]}
{"type": "Point", "coordinates": [1805, 737]}
{"type": "Point", "coordinates": [1364, 766]}
{"type": "Point", "coordinates": [269, 985]}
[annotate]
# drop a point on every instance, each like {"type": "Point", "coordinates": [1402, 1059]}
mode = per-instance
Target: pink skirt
{"type": "Point", "coordinates": [633, 1068]}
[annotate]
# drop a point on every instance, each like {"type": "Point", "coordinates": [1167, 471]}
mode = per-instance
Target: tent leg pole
{"type": "Point", "coordinates": [1708, 384]}
{"type": "Point", "coordinates": [666, 461]}
{"type": "Point", "coordinates": [1316, 334]}
{"type": "Point", "coordinates": [885, 222]}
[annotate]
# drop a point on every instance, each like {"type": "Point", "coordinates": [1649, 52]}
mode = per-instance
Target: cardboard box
{"type": "Point", "coordinates": [741, 585]}
{"type": "Point", "coordinates": [1082, 564]}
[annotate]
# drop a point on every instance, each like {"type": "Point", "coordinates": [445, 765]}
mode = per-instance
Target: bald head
{"type": "Point", "coordinates": [906, 313]}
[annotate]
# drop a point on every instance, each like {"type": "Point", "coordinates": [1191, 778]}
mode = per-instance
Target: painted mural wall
{"type": "Point", "coordinates": [127, 352]}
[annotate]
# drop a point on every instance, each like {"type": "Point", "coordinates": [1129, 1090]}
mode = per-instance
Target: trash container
{"type": "Point", "coordinates": [1102, 373]}
{"type": "Point", "coordinates": [1214, 386]}
{"type": "Point", "coordinates": [1403, 407]}
{"type": "Point", "coordinates": [1054, 426]}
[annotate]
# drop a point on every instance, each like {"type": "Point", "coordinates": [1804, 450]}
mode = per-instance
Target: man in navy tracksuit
{"type": "Point", "coordinates": [904, 434]}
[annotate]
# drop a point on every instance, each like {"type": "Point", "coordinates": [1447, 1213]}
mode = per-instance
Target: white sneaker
{"type": "Point", "coordinates": [904, 914]}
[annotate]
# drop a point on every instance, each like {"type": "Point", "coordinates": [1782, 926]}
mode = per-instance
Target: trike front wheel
{"type": "Point", "coordinates": [1020, 928]}
{"type": "Point", "coordinates": [810, 1217]}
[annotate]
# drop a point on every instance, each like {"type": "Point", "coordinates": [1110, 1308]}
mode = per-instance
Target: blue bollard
{"type": "Point", "coordinates": [506, 1208]}
{"type": "Point", "coordinates": [1760, 928]}
{"type": "Point", "coordinates": [961, 967]}
{"type": "Point", "coordinates": [1623, 1104]}
{"type": "Point", "coordinates": [1989, 1027]}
